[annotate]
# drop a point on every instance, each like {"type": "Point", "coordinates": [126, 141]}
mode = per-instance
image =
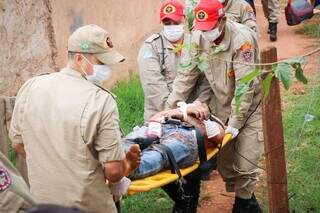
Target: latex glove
{"type": "Point", "coordinates": [233, 131]}
{"type": "Point", "coordinates": [120, 188]}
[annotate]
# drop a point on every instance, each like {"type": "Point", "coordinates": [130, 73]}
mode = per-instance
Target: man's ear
{"type": "Point", "coordinates": [77, 57]}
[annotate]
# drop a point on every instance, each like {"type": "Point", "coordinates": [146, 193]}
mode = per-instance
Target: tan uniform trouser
{"type": "Point", "coordinates": [271, 10]}
{"type": "Point", "coordinates": [239, 174]}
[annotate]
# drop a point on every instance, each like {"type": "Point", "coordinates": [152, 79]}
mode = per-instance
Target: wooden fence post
{"type": "Point", "coordinates": [3, 128]}
{"type": "Point", "coordinates": [274, 142]}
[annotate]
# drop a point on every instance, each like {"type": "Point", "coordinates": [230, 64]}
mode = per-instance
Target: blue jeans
{"type": "Point", "coordinates": [180, 140]}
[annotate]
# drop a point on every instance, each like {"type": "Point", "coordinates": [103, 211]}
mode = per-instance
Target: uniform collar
{"type": "Point", "coordinates": [168, 45]}
{"type": "Point", "coordinates": [71, 72]}
{"type": "Point", "coordinates": [226, 8]}
{"type": "Point", "coordinates": [226, 41]}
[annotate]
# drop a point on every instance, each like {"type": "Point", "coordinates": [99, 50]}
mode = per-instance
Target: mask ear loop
{"type": "Point", "coordinates": [84, 74]}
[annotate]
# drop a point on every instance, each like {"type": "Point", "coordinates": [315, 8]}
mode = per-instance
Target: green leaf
{"type": "Point", "coordinates": [240, 91]}
{"type": "Point", "coordinates": [296, 60]}
{"type": "Point", "coordinates": [267, 83]}
{"type": "Point", "coordinates": [203, 64]}
{"type": "Point", "coordinates": [283, 72]}
{"type": "Point", "coordinates": [178, 48]}
{"type": "Point", "coordinates": [250, 76]}
{"type": "Point", "coordinates": [217, 49]}
{"type": "Point", "coordinates": [299, 74]}
{"type": "Point", "coordinates": [190, 18]}
{"type": "Point", "coordinates": [185, 66]}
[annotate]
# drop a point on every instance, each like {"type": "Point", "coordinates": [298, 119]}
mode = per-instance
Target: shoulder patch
{"type": "Point", "coordinates": [5, 179]}
{"type": "Point", "coordinates": [147, 54]}
{"type": "Point", "coordinates": [248, 8]}
{"type": "Point", "coordinates": [231, 73]}
{"type": "Point", "coordinates": [246, 51]}
{"type": "Point", "coordinates": [152, 38]}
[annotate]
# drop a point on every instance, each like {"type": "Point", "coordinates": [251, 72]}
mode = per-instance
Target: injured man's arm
{"type": "Point", "coordinates": [178, 133]}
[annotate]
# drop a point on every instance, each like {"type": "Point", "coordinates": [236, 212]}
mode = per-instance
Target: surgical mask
{"type": "Point", "coordinates": [212, 35]}
{"type": "Point", "coordinates": [173, 32]}
{"type": "Point", "coordinates": [100, 73]}
{"type": "Point", "coordinates": [222, 1]}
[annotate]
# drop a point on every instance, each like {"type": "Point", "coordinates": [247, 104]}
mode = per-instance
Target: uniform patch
{"type": "Point", "coordinates": [85, 46]}
{"type": "Point", "coordinates": [109, 42]}
{"type": "Point", "coordinates": [231, 73]}
{"type": "Point", "coordinates": [251, 15]}
{"type": "Point", "coordinates": [249, 8]}
{"type": "Point", "coordinates": [147, 54]}
{"type": "Point", "coordinates": [250, 12]}
{"type": "Point", "coordinates": [5, 180]}
{"type": "Point", "coordinates": [247, 52]}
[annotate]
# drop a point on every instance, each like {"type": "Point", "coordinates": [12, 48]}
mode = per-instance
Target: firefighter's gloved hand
{"type": "Point", "coordinates": [233, 131]}
{"type": "Point", "coordinates": [120, 188]}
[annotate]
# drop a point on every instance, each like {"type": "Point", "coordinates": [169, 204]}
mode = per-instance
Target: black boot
{"type": "Point", "coordinates": [246, 205]}
{"type": "Point", "coordinates": [273, 31]}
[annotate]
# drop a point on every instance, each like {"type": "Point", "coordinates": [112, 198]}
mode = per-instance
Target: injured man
{"type": "Point", "coordinates": [175, 130]}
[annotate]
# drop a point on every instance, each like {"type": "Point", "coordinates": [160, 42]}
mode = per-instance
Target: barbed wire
{"type": "Point", "coordinates": [272, 63]}
{"type": "Point", "coordinates": [312, 99]}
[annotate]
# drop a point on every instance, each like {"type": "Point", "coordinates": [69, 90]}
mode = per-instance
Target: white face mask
{"type": "Point", "coordinates": [173, 32]}
{"type": "Point", "coordinates": [100, 73]}
{"type": "Point", "coordinates": [222, 1]}
{"type": "Point", "coordinates": [212, 35]}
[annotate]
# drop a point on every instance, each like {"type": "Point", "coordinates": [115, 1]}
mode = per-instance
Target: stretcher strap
{"type": "Point", "coordinates": [204, 167]}
{"type": "Point", "coordinates": [173, 163]}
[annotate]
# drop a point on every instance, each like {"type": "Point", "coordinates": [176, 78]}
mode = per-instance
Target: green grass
{"type": "Point", "coordinates": [155, 201]}
{"type": "Point", "coordinates": [303, 151]}
{"type": "Point", "coordinates": [130, 104]}
{"type": "Point", "coordinates": [310, 27]}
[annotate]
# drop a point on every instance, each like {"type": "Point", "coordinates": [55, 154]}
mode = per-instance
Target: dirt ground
{"type": "Point", "coordinates": [214, 198]}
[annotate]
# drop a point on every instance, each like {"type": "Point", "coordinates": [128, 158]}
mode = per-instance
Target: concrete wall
{"type": "Point", "coordinates": [27, 45]}
{"type": "Point", "coordinates": [34, 34]}
{"type": "Point", "coordinates": [128, 22]}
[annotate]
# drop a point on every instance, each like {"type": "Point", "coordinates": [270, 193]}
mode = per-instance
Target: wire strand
{"type": "Point", "coordinates": [272, 63]}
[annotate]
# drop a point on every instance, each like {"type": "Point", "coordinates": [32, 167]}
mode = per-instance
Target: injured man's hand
{"type": "Point", "coordinates": [178, 136]}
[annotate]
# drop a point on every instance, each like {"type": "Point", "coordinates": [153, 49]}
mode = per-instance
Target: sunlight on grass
{"type": "Point", "coordinates": [303, 152]}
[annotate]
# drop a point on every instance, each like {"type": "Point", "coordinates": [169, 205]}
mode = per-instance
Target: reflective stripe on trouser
{"type": "Point", "coordinates": [271, 10]}
{"type": "Point", "coordinates": [239, 174]}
